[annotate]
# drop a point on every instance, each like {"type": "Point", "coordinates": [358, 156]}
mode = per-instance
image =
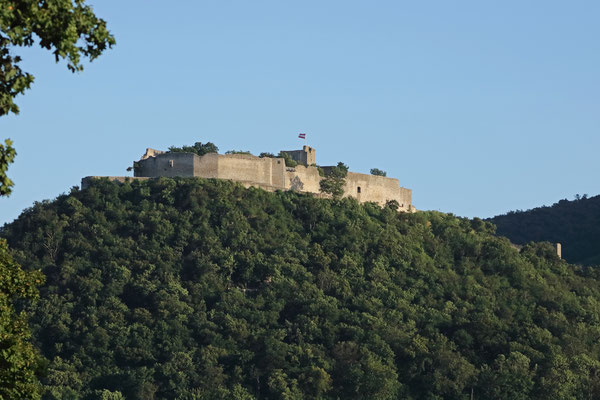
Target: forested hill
{"type": "Point", "coordinates": [201, 289]}
{"type": "Point", "coordinates": [575, 224]}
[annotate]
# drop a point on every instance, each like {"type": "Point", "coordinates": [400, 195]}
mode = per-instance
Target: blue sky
{"type": "Point", "coordinates": [479, 107]}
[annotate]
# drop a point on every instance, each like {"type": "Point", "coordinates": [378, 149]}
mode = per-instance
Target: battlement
{"type": "Point", "coordinates": [267, 173]}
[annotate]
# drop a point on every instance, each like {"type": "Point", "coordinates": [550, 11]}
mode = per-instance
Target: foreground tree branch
{"type": "Point", "coordinates": [67, 28]}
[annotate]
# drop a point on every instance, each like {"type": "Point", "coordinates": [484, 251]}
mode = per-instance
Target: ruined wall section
{"type": "Point", "coordinates": [246, 168]}
{"type": "Point", "coordinates": [378, 189]}
{"type": "Point", "coordinates": [302, 179]}
{"type": "Point", "coordinates": [206, 166]}
{"type": "Point", "coordinates": [168, 164]}
{"type": "Point", "coordinates": [278, 171]}
{"type": "Point", "coordinates": [362, 187]}
{"type": "Point", "coordinates": [151, 153]}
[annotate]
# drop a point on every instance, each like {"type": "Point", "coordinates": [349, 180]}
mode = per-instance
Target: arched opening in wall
{"type": "Point", "coordinates": [358, 189]}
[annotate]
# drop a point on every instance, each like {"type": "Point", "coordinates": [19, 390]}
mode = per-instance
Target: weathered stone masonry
{"type": "Point", "coordinates": [267, 173]}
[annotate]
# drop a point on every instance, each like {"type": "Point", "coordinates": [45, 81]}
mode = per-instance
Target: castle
{"type": "Point", "coordinates": [267, 173]}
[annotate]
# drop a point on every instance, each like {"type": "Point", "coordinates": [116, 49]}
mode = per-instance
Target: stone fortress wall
{"type": "Point", "coordinates": [267, 173]}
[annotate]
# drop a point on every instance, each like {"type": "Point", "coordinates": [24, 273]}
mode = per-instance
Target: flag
{"type": "Point", "coordinates": [302, 135]}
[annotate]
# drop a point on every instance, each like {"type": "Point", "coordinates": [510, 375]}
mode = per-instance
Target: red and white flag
{"type": "Point", "coordinates": [302, 135]}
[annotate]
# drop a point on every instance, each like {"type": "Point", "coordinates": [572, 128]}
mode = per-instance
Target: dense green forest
{"type": "Point", "coordinates": [575, 224]}
{"type": "Point", "coordinates": [20, 362]}
{"type": "Point", "coordinates": [201, 289]}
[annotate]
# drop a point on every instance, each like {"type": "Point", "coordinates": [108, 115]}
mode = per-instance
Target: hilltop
{"type": "Point", "coordinates": [203, 289]}
{"type": "Point", "coordinates": [575, 224]}
{"type": "Point", "coordinates": [294, 170]}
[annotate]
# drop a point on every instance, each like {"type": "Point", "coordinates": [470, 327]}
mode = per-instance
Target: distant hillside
{"type": "Point", "coordinates": [200, 289]}
{"type": "Point", "coordinates": [575, 224]}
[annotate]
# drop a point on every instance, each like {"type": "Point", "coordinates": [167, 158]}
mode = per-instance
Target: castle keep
{"type": "Point", "coordinates": [267, 173]}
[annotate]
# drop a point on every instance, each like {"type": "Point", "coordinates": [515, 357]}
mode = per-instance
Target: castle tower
{"type": "Point", "coordinates": [306, 156]}
{"type": "Point", "coordinates": [311, 156]}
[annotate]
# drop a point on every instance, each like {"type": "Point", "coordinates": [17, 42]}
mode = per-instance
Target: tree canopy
{"type": "Point", "coordinates": [198, 148]}
{"type": "Point", "coordinates": [20, 362]}
{"type": "Point", "coordinates": [202, 289]}
{"type": "Point", "coordinates": [7, 155]}
{"type": "Point", "coordinates": [67, 28]}
{"type": "Point", "coordinates": [378, 172]}
{"type": "Point", "coordinates": [289, 161]}
{"type": "Point", "coordinates": [71, 30]}
{"type": "Point", "coordinates": [238, 152]}
{"type": "Point", "coordinates": [334, 180]}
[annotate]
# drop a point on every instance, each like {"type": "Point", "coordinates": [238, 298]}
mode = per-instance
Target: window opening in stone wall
{"type": "Point", "coordinates": [358, 189]}
{"type": "Point", "coordinates": [171, 163]}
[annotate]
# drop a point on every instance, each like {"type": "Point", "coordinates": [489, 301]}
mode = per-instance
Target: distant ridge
{"type": "Point", "coordinates": [575, 224]}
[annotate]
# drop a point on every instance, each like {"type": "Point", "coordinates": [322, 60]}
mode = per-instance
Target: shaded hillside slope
{"type": "Point", "coordinates": [201, 289]}
{"type": "Point", "coordinates": [575, 224]}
